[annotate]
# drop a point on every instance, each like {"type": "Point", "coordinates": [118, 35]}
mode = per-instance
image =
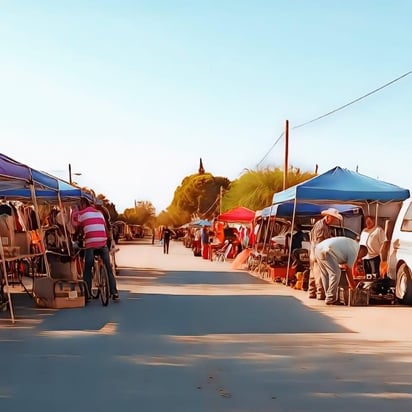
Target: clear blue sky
{"type": "Point", "coordinates": [133, 93]}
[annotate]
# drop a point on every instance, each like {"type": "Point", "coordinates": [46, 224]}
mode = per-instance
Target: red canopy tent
{"type": "Point", "coordinates": [237, 215]}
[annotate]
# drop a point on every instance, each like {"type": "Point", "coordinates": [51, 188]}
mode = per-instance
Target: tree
{"type": "Point", "coordinates": [109, 206]}
{"type": "Point", "coordinates": [143, 213]}
{"type": "Point", "coordinates": [255, 188]}
{"type": "Point", "coordinates": [198, 195]}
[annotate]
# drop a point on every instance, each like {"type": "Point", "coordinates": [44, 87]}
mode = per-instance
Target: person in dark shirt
{"type": "Point", "coordinates": [166, 235]}
{"type": "Point", "coordinates": [297, 238]}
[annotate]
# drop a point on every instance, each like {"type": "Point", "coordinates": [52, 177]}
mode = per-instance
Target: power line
{"type": "Point", "coordinates": [336, 110]}
{"type": "Point", "coordinates": [354, 101]}
{"type": "Point", "coordinates": [271, 148]}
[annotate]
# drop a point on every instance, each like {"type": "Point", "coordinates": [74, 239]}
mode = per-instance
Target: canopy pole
{"type": "Point", "coordinates": [290, 246]}
{"type": "Point", "coordinates": [64, 217]}
{"type": "Point", "coordinates": [41, 232]}
{"type": "Point", "coordinates": [7, 282]}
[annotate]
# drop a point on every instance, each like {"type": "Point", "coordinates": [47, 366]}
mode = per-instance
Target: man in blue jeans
{"type": "Point", "coordinates": [93, 225]}
{"type": "Point", "coordinates": [334, 255]}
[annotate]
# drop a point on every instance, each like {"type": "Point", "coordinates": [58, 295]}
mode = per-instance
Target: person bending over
{"type": "Point", "coordinates": [334, 255]}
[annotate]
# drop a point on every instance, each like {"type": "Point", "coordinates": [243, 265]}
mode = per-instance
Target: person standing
{"type": "Point", "coordinates": [204, 239]}
{"type": "Point", "coordinates": [166, 235]}
{"type": "Point", "coordinates": [374, 238]}
{"type": "Point", "coordinates": [320, 231]}
{"type": "Point", "coordinates": [93, 225]}
{"type": "Point", "coordinates": [334, 255]}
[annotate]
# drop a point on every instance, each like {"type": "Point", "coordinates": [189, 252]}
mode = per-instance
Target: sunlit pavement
{"type": "Point", "coordinates": [194, 335]}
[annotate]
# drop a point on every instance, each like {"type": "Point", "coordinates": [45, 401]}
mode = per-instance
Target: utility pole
{"type": "Point", "coordinates": [285, 167]}
{"type": "Point", "coordinates": [71, 174]}
{"type": "Point", "coordinates": [220, 200]}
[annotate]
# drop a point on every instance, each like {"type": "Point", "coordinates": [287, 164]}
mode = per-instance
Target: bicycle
{"type": "Point", "coordinates": [100, 280]}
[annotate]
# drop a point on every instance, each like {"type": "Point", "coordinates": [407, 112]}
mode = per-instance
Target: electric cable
{"type": "Point", "coordinates": [353, 101]}
{"type": "Point", "coordinates": [271, 148]}
{"type": "Point", "coordinates": [336, 110]}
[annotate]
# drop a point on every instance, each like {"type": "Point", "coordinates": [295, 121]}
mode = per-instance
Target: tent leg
{"type": "Point", "coordinates": [7, 283]}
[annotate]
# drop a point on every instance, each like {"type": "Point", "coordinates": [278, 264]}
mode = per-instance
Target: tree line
{"type": "Point", "coordinates": [204, 196]}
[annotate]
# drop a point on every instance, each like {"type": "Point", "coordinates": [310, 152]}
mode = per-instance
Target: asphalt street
{"type": "Point", "coordinates": [193, 335]}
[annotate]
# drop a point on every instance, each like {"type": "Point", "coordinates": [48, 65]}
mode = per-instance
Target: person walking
{"type": "Point", "coordinates": [95, 232]}
{"type": "Point", "coordinates": [333, 256]}
{"type": "Point", "coordinates": [166, 235]}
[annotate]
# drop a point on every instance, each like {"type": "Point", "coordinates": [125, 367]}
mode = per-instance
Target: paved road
{"type": "Point", "coordinates": [194, 335]}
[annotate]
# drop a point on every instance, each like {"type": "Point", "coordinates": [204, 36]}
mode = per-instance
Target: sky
{"type": "Point", "coordinates": [133, 93]}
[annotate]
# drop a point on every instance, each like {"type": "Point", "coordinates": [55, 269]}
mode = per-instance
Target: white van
{"type": "Point", "coordinates": [400, 253]}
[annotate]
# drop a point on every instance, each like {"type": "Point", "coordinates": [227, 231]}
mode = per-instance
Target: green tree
{"type": "Point", "coordinates": [110, 207]}
{"type": "Point", "coordinates": [143, 213]}
{"type": "Point", "coordinates": [254, 189]}
{"type": "Point", "coordinates": [198, 195]}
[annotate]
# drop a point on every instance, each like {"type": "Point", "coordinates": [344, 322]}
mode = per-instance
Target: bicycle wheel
{"type": "Point", "coordinates": [104, 285]}
{"type": "Point", "coordinates": [95, 281]}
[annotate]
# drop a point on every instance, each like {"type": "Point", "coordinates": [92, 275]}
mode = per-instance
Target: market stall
{"type": "Point", "coordinates": [343, 186]}
{"type": "Point", "coordinates": [21, 190]}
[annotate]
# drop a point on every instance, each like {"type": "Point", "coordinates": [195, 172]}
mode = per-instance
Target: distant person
{"type": "Point", "coordinates": [334, 255]}
{"type": "Point", "coordinates": [116, 233]}
{"type": "Point", "coordinates": [320, 231]}
{"type": "Point", "coordinates": [374, 238]}
{"type": "Point", "coordinates": [204, 239]}
{"type": "Point", "coordinates": [166, 235]}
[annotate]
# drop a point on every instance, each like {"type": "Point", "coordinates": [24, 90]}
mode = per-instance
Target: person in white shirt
{"type": "Point", "coordinates": [374, 238]}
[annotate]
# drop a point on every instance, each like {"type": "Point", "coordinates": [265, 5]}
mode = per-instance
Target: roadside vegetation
{"type": "Point", "coordinates": [204, 196]}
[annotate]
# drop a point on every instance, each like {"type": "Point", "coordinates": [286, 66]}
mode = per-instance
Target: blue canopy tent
{"type": "Point", "coordinates": [21, 182]}
{"type": "Point", "coordinates": [13, 175]}
{"type": "Point", "coordinates": [200, 223]}
{"type": "Point", "coordinates": [339, 185]}
{"type": "Point", "coordinates": [342, 185]}
{"type": "Point", "coordinates": [65, 191]}
{"type": "Point", "coordinates": [287, 209]}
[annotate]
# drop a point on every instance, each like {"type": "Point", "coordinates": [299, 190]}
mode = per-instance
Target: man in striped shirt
{"type": "Point", "coordinates": [93, 225]}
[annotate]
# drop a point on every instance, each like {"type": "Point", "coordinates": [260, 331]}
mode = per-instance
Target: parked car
{"type": "Point", "coordinates": [336, 231]}
{"type": "Point", "coordinates": [400, 254]}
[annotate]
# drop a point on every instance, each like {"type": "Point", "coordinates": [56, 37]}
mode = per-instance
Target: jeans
{"type": "Point", "coordinates": [315, 281]}
{"type": "Point", "coordinates": [330, 273]}
{"type": "Point", "coordinates": [88, 264]}
{"type": "Point", "coordinates": [371, 266]}
{"type": "Point", "coordinates": [166, 245]}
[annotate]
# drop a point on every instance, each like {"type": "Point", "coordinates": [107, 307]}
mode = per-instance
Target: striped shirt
{"type": "Point", "coordinates": [94, 228]}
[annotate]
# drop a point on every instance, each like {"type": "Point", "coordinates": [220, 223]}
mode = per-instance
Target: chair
{"type": "Point", "coordinates": [222, 253]}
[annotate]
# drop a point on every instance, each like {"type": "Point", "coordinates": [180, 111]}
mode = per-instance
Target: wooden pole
{"type": "Point", "coordinates": [285, 169]}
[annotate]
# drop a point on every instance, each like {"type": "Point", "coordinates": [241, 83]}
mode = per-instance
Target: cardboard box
{"type": "Point", "coordinates": [5, 240]}
{"type": "Point", "coordinates": [63, 267]}
{"type": "Point", "coordinates": [22, 240]}
{"type": "Point", "coordinates": [11, 251]}
{"type": "Point", "coordinates": [280, 272]}
{"type": "Point", "coordinates": [59, 293]}
{"type": "Point", "coordinates": [354, 297]}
